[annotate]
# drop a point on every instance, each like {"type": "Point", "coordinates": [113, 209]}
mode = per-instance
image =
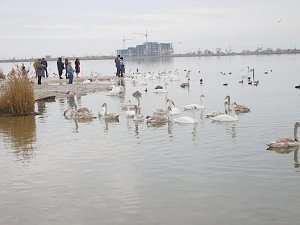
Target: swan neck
{"type": "Point", "coordinates": [296, 132]}
{"type": "Point", "coordinates": [232, 109]}
{"type": "Point", "coordinates": [138, 102]}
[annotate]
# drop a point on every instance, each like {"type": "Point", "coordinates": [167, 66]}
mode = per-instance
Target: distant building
{"type": "Point", "coordinates": [123, 52]}
{"type": "Point", "coordinates": [148, 49]}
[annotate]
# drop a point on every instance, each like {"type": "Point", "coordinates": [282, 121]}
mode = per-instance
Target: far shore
{"type": "Point", "coordinates": [206, 54]}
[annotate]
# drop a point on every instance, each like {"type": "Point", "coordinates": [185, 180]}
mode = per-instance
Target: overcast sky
{"type": "Point", "coordinates": [31, 28]}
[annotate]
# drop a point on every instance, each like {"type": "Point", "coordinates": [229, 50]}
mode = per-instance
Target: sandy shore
{"type": "Point", "coordinates": [60, 88]}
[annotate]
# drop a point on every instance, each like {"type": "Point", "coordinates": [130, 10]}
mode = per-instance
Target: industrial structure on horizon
{"type": "Point", "coordinates": [148, 49]}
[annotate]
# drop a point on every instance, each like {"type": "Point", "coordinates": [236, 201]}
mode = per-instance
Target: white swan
{"type": "Point", "coordinates": [129, 112]}
{"type": "Point", "coordinates": [286, 142]}
{"type": "Point", "coordinates": [195, 106]}
{"type": "Point", "coordinates": [107, 116]}
{"type": "Point", "coordinates": [216, 113]}
{"type": "Point", "coordinates": [161, 90]}
{"type": "Point", "coordinates": [174, 111]}
{"type": "Point", "coordinates": [173, 76]}
{"type": "Point", "coordinates": [116, 90]}
{"type": "Point", "coordinates": [227, 117]}
{"type": "Point", "coordinates": [186, 84]}
{"type": "Point", "coordinates": [187, 119]}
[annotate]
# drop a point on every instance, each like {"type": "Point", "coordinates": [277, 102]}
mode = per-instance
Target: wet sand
{"type": "Point", "coordinates": [60, 87]}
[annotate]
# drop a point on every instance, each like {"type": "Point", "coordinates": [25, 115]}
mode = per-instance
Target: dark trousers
{"type": "Point", "coordinates": [70, 78]}
{"type": "Point", "coordinates": [39, 79]}
{"type": "Point", "coordinates": [46, 71]}
{"type": "Point", "coordinates": [60, 72]}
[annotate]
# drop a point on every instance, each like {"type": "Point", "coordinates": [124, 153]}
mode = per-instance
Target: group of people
{"type": "Point", "coordinates": [69, 69]}
{"type": "Point", "coordinates": [120, 66]}
{"type": "Point", "coordinates": [40, 65]}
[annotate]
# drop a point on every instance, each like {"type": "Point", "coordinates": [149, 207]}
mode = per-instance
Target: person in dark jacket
{"type": "Point", "coordinates": [77, 67]}
{"type": "Point", "coordinates": [60, 67]}
{"type": "Point", "coordinates": [45, 63]}
{"type": "Point", "coordinates": [66, 66]}
{"type": "Point", "coordinates": [117, 63]}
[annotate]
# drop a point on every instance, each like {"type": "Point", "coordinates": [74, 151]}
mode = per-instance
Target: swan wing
{"type": "Point", "coordinates": [185, 119]}
{"type": "Point", "coordinates": [193, 106]}
{"type": "Point", "coordinates": [224, 118]}
{"type": "Point", "coordinates": [284, 143]}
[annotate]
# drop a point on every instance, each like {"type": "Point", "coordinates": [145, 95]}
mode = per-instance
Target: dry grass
{"type": "Point", "coordinates": [2, 76]}
{"type": "Point", "coordinates": [18, 96]}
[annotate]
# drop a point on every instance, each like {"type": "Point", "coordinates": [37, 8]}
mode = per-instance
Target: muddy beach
{"type": "Point", "coordinates": [53, 87]}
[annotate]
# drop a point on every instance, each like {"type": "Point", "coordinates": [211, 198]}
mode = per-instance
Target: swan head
{"type": "Point", "coordinates": [137, 94]}
{"type": "Point", "coordinates": [170, 101]}
{"type": "Point", "coordinates": [227, 97]}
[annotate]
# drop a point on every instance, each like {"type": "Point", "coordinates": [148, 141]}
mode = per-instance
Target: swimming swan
{"type": "Point", "coordinates": [187, 119]}
{"type": "Point", "coordinates": [227, 117]}
{"type": "Point", "coordinates": [107, 116]}
{"type": "Point", "coordinates": [159, 119]}
{"type": "Point", "coordinates": [161, 90]}
{"type": "Point", "coordinates": [216, 113]}
{"type": "Point", "coordinates": [81, 114]}
{"type": "Point", "coordinates": [195, 106]}
{"type": "Point", "coordinates": [286, 142]}
{"type": "Point", "coordinates": [238, 108]}
{"type": "Point", "coordinates": [116, 90]}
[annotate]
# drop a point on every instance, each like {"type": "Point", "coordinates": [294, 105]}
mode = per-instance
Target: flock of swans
{"type": "Point", "coordinates": [168, 114]}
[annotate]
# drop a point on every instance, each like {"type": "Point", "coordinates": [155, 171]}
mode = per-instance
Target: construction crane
{"type": "Point", "coordinates": [145, 34]}
{"type": "Point", "coordinates": [126, 39]}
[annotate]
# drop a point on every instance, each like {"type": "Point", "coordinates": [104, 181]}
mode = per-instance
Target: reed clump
{"type": "Point", "coordinates": [18, 96]}
{"type": "Point", "coordinates": [2, 76]}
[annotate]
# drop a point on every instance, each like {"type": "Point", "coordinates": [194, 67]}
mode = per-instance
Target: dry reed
{"type": "Point", "coordinates": [18, 96]}
{"type": "Point", "coordinates": [2, 76]}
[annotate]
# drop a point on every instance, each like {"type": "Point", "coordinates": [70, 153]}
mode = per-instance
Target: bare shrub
{"type": "Point", "coordinates": [18, 96]}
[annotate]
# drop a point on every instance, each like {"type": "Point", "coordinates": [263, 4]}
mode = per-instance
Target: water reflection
{"type": "Point", "coordinates": [22, 134]}
{"type": "Point", "coordinates": [288, 151]}
{"type": "Point", "coordinates": [41, 107]}
{"type": "Point", "coordinates": [106, 123]}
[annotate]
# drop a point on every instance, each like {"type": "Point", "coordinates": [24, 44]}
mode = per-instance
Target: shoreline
{"type": "Point", "coordinates": [258, 53]}
{"type": "Point", "coordinates": [53, 87]}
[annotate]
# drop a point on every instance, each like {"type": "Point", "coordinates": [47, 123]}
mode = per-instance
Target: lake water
{"type": "Point", "coordinates": [127, 173]}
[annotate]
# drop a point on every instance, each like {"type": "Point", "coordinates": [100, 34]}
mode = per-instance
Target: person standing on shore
{"type": "Point", "coordinates": [34, 66]}
{"type": "Point", "coordinates": [117, 63]}
{"type": "Point", "coordinates": [45, 63]}
{"type": "Point", "coordinates": [77, 67]}
{"type": "Point", "coordinates": [122, 67]}
{"type": "Point", "coordinates": [60, 67]}
{"type": "Point", "coordinates": [66, 66]}
{"type": "Point", "coordinates": [70, 72]}
{"type": "Point", "coordinates": [39, 70]}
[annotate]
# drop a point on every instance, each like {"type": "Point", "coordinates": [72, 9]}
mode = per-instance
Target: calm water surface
{"type": "Point", "coordinates": [127, 173]}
